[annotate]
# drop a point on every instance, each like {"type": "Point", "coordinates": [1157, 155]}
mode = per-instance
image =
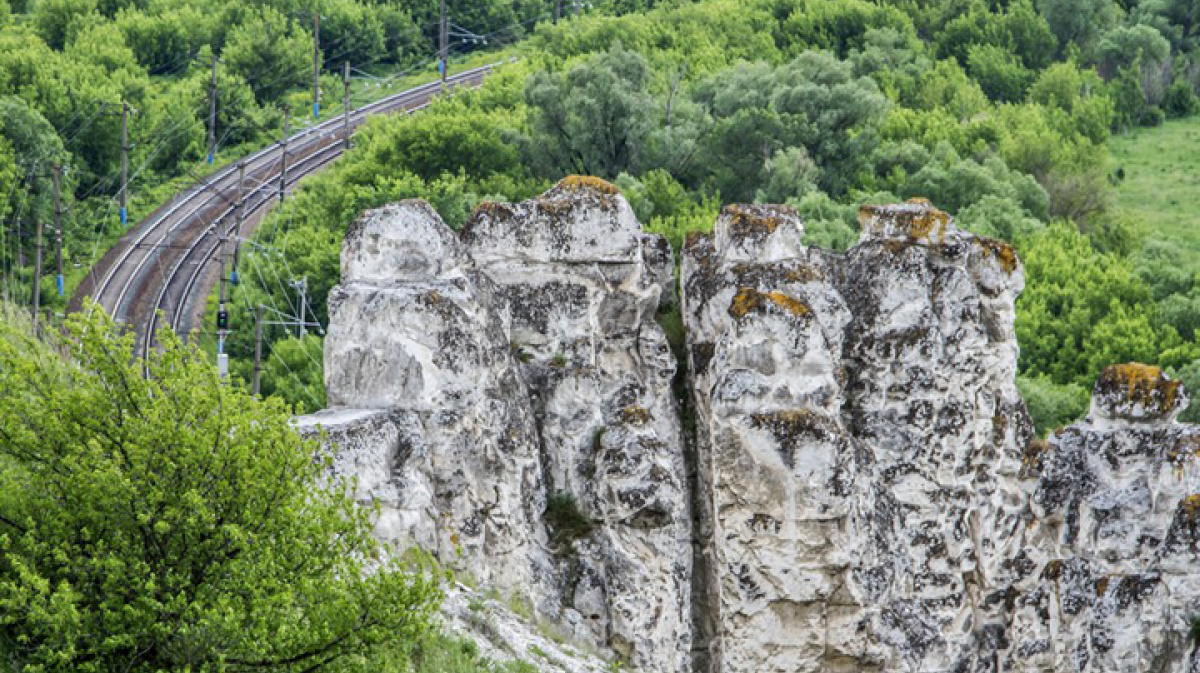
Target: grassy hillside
{"type": "Point", "coordinates": [1162, 181]}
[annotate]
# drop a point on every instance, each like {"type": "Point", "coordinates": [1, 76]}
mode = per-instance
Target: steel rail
{"type": "Point", "coordinates": [186, 217]}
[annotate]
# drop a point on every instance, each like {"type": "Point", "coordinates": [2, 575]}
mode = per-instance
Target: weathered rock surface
{"type": "Point", "coordinates": [1113, 581]}
{"type": "Point", "coordinates": [862, 483]}
{"type": "Point", "coordinates": [858, 417]}
{"type": "Point", "coordinates": [507, 397]}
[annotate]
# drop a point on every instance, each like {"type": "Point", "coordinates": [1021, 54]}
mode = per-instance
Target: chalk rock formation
{"type": "Point", "coordinates": [1113, 573]}
{"type": "Point", "coordinates": [507, 397]}
{"type": "Point", "coordinates": [858, 418]}
{"type": "Point", "coordinates": [862, 484]}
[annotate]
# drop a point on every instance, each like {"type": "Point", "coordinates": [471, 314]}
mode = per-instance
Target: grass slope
{"type": "Point", "coordinates": [1162, 180]}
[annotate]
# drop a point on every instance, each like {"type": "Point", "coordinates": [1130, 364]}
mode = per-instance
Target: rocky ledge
{"type": "Point", "coordinates": [849, 483]}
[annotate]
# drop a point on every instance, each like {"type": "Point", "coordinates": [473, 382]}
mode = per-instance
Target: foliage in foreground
{"type": "Point", "coordinates": [170, 522]}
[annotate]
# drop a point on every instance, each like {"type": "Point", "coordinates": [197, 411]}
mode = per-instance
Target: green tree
{"type": "Point", "coordinates": [1180, 100]}
{"type": "Point", "coordinates": [594, 119]}
{"type": "Point", "coordinates": [814, 102]}
{"type": "Point", "coordinates": [1085, 309]}
{"type": "Point", "coordinates": [958, 183]}
{"type": "Point", "coordinates": [351, 32]}
{"type": "Point", "coordinates": [999, 217]}
{"type": "Point", "coordinates": [1002, 77]}
{"type": "Point", "coordinates": [295, 373]}
{"type": "Point", "coordinates": [166, 41]}
{"type": "Point", "coordinates": [1190, 375]}
{"type": "Point", "coordinates": [1079, 22]}
{"type": "Point", "coordinates": [1052, 405]}
{"type": "Point", "coordinates": [35, 148]}
{"type": "Point", "coordinates": [790, 175]}
{"type": "Point", "coordinates": [1122, 46]}
{"type": "Point", "coordinates": [269, 52]}
{"type": "Point", "coordinates": [838, 27]}
{"type": "Point", "coordinates": [170, 522]}
{"type": "Point", "coordinates": [57, 20]}
{"type": "Point", "coordinates": [1077, 92]}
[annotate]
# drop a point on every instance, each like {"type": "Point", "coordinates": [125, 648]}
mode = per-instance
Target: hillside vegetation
{"type": "Point", "coordinates": [1000, 112]}
{"type": "Point", "coordinates": [1158, 182]}
{"type": "Point", "coordinates": [173, 522]}
{"type": "Point", "coordinates": [67, 66]}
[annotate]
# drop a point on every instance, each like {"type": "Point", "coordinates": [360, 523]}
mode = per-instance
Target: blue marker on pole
{"type": "Point", "coordinates": [60, 285]}
{"type": "Point", "coordinates": [210, 158]}
{"type": "Point", "coordinates": [124, 217]}
{"type": "Point", "coordinates": [316, 110]}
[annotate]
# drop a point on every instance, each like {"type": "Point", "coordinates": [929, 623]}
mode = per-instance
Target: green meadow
{"type": "Point", "coordinates": [1162, 180]}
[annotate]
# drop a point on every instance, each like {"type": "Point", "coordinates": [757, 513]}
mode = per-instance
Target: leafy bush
{"type": "Point", "coordinates": [566, 521]}
{"type": "Point", "coordinates": [1180, 100]}
{"type": "Point", "coordinates": [170, 521]}
{"type": "Point", "coordinates": [1052, 405]}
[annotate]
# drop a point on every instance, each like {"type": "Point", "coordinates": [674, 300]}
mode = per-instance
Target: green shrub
{"type": "Point", "coordinates": [566, 521]}
{"type": "Point", "coordinates": [1180, 101]}
{"type": "Point", "coordinates": [1052, 405]}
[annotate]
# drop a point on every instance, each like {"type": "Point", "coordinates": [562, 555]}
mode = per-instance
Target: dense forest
{"type": "Point", "coordinates": [1000, 112]}
{"type": "Point", "coordinates": [67, 68]}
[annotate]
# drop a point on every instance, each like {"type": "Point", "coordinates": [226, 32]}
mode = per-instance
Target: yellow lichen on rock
{"type": "Point", "coordinates": [793, 423]}
{"type": "Point", "coordinates": [915, 219]}
{"type": "Point", "coordinates": [1186, 449]}
{"type": "Point", "coordinates": [748, 300]}
{"type": "Point", "coordinates": [493, 208]}
{"type": "Point", "coordinates": [750, 221]}
{"type": "Point", "coordinates": [1005, 254]}
{"type": "Point", "coordinates": [1190, 506]}
{"type": "Point", "coordinates": [579, 183]}
{"type": "Point", "coordinates": [636, 415]}
{"type": "Point", "coordinates": [1052, 570]}
{"type": "Point", "coordinates": [1143, 384]}
{"type": "Point", "coordinates": [1033, 455]}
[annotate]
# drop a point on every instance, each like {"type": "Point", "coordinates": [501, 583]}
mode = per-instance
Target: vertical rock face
{"type": "Point", "coordinates": [1114, 580]}
{"type": "Point", "coordinates": [581, 284]}
{"type": "Point", "coordinates": [417, 332]}
{"type": "Point", "coordinates": [858, 422]}
{"type": "Point", "coordinates": [507, 398]}
{"type": "Point", "coordinates": [868, 495]}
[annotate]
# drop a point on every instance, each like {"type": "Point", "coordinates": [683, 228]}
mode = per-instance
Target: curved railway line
{"type": "Point", "coordinates": [160, 269]}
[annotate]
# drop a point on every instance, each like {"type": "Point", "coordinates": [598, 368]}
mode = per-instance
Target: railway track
{"type": "Point", "coordinates": [161, 269]}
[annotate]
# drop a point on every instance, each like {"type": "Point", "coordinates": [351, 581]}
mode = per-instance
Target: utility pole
{"type": "Point", "coordinates": [20, 220]}
{"type": "Point", "coordinates": [317, 61]}
{"type": "Point", "coordinates": [346, 104]}
{"type": "Point", "coordinates": [557, 11]}
{"type": "Point", "coordinates": [301, 287]}
{"type": "Point", "coordinates": [443, 44]}
{"type": "Point", "coordinates": [124, 162]}
{"type": "Point", "coordinates": [212, 112]}
{"type": "Point", "coordinates": [37, 267]}
{"type": "Point", "coordinates": [258, 323]}
{"type": "Point", "coordinates": [222, 311]}
{"type": "Point", "coordinates": [303, 303]}
{"type": "Point", "coordinates": [283, 155]}
{"type": "Point", "coordinates": [58, 227]}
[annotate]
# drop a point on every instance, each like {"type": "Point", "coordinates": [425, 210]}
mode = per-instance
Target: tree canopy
{"type": "Point", "coordinates": [172, 522]}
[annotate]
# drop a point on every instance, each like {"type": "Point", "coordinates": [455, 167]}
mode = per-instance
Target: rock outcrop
{"type": "Point", "coordinates": [1113, 564]}
{"type": "Point", "coordinates": [861, 484]}
{"type": "Point", "coordinates": [858, 419]}
{"type": "Point", "coordinates": [507, 397]}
